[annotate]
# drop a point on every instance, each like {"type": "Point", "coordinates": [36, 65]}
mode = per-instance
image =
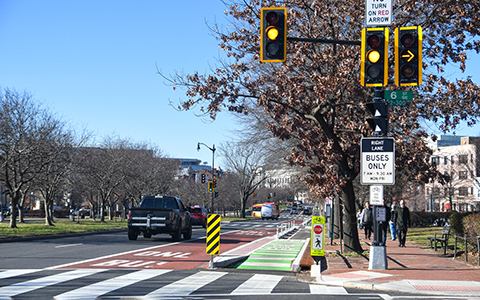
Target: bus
{"type": "Point", "coordinates": [257, 210]}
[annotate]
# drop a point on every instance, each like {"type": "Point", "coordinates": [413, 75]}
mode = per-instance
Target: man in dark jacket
{"type": "Point", "coordinates": [402, 219]}
{"type": "Point", "coordinates": [384, 224]}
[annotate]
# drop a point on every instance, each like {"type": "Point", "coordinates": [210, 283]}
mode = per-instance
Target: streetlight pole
{"type": "Point", "coordinates": [213, 167]}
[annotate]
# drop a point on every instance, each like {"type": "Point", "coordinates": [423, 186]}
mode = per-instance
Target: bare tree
{"type": "Point", "coordinates": [247, 161]}
{"type": "Point", "coordinates": [24, 126]}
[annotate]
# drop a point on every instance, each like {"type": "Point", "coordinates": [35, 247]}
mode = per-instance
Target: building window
{"type": "Point", "coordinates": [463, 191]}
{"type": "Point", "coordinates": [452, 159]}
{"type": "Point", "coordinates": [463, 159]}
{"type": "Point", "coordinates": [462, 175]}
{"type": "Point", "coordinates": [445, 160]}
{"type": "Point", "coordinates": [436, 160]}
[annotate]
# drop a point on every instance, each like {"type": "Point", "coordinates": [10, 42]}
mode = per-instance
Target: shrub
{"type": "Point", "coordinates": [428, 219]}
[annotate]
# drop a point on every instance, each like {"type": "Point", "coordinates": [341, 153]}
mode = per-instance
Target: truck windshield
{"type": "Point", "coordinates": [159, 203]}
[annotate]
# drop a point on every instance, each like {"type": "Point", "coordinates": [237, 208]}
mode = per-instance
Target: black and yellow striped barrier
{"type": "Point", "coordinates": [213, 234]}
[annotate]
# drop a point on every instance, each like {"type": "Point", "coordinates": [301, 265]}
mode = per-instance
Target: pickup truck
{"type": "Point", "coordinates": [160, 214]}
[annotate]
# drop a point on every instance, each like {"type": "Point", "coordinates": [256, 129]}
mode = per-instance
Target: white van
{"type": "Point", "coordinates": [269, 211]}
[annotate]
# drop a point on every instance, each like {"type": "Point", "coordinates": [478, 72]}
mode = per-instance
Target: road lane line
{"type": "Point", "coordinates": [69, 245]}
{"type": "Point", "coordinates": [100, 288]}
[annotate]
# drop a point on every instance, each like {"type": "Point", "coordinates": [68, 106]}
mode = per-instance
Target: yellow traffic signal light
{"type": "Point", "coordinates": [374, 57]}
{"type": "Point", "coordinates": [408, 56]}
{"type": "Point", "coordinates": [273, 36]}
{"type": "Point", "coordinates": [214, 182]}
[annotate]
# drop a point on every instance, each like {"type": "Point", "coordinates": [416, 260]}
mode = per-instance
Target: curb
{"type": "Point", "coordinates": [56, 236]}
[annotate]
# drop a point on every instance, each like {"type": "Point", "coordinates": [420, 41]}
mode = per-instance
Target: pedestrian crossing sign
{"type": "Point", "coordinates": [317, 240]}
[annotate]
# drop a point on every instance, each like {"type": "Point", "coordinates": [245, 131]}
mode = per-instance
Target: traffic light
{"type": "Point", "coordinates": [214, 182]}
{"type": "Point", "coordinates": [379, 111]}
{"type": "Point", "coordinates": [273, 36]}
{"type": "Point", "coordinates": [210, 186]}
{"type": "Point", "coordinates": [204, 178]}
{"type": "Point", "coordinates": [374, 57]}
{"type": "Point", "coordinates": [408, 56]}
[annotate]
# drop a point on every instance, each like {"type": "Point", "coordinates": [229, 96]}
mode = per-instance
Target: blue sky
{"type": "Point", "coordinates": [93, 62]}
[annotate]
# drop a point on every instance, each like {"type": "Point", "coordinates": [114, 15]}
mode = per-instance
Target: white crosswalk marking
{"type": "Point", "coordinates": [258, 284]}
{"type": "Point", "coordinates": [13, 273]}
{"type": "Point", "coordinates": [327, 290]}
{"type": "Point", "coordinates": [28, 286]}
{"type": "Point", "coordinates": [100, 288]}
{"type": "Point", "coordinates": [187, 285]}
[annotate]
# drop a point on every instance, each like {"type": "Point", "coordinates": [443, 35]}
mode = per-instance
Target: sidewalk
{"type": "Point", "coordinates": [410, 269]}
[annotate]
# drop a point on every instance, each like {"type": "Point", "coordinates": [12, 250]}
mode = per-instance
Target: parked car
{"type": "Point", "coordinates": [199, 215]}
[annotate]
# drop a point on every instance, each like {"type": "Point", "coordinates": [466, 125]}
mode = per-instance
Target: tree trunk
{"type": "Point", "coordinates": [48, 214]}
{"type": "Point", "coordinates": [351, 240]}
{"type": "Point", "coordinates": [336, 219]}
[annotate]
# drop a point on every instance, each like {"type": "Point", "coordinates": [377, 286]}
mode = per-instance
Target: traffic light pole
{"type": "Point", "coordinates": [324, 41]}
{"type": "Point", "coordinates": [378, 253]}
{"type": "Point", "coordinates": [213, 168]}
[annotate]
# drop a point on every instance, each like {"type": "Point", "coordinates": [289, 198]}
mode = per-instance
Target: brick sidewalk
{"type": "Point", "coordinates": [411, 263]}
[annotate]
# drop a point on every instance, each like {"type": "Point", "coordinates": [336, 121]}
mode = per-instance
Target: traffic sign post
{"type": "Point", "coordinates": [213, 236]}
{"type": "Point", "coordinates": [398, 95]}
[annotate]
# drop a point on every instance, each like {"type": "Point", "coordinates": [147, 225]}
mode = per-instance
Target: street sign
{"type": "Point", "coordinates": [378, 161]}
{"type": "Point", "coordinates": [318, 236]}
{"type": "Point", "coordinates": [376, 194]}
{"type": "Point", "coordinates": [378, 13]}
{"type": "Point", "coordinates": [398, 95]}
{"type": "Point", "coordinates": [397, 102]}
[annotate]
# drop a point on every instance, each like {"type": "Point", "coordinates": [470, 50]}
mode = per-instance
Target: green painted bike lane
{"type": "Point", "coordinates": [277, 255]}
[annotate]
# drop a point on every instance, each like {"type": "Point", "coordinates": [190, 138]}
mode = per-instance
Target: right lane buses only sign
{"type": "Point", "coordinates": [378, 161]}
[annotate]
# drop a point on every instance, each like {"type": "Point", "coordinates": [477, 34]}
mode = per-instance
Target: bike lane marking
{"type": "Point", "coordinates": [176, 256]}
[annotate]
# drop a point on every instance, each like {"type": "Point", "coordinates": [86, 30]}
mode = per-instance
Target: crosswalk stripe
{"type": "Point", "coordinates": [100, 288]}
{"type": "Point", "coordinates": [187, 285]}
{"type": "Point", "coordinates": [13, 273]}
{"type": "Point", "coordinates": [327, 290]}
{"type": "Point", "coordinates": [258, 284]}
{"type": "Point", "coordinates": [28, 286]}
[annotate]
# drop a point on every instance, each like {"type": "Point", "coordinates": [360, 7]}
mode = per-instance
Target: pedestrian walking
{"type": "Point", "coordinates": [367, 219]}
{"type": "Point", "coordinates": [393, 228]}
{"type": "Point", "coordinates": [384, 224]}
{"type": "Point", "coordinates": [402, 220]}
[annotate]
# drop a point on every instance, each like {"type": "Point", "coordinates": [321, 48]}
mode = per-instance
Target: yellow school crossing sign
{"type": "Point", "coordinates": [317, 239]}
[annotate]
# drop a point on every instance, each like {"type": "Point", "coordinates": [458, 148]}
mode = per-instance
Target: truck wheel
{"type": "Point", "coordinates": [188, 234]}
{"type": "Point", "coordinates": [132, 235]}
{"type": "Point", "coordinates": [147, 235]}
{"type": "Point", "coordinates": [177, 235]}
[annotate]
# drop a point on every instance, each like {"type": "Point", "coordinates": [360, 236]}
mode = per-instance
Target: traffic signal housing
{"type": "Point", "coordinates": [210, 187]}
{"type": "Point", "coordinates": [408, 56]}
{"type": "Point", "coordinates": [214, 182]}
{"type": "Point", "coordinates": [379, 120]}
{"type": "Point", "coordinates": [273, 36]}
{"type": "Point", "coordinates": [374, 57]}
{"type": "Point", "coordinates": [204, 178]}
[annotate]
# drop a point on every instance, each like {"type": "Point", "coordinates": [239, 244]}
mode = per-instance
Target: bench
{"type": "Point", "coordinates": [443, 239]}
